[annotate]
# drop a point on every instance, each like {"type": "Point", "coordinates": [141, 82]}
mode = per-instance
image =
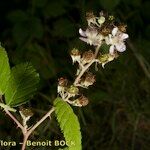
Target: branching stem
{"type": "Point", "coordinates": [25, 131]}
{"type": "Point", "coordinates": [84, 69]}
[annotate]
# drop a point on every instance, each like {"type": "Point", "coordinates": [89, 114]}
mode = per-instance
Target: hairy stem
{"type": "Point", "coordinates": [86, 67]}
{"type": "Point", "coordinates": [27, 134]}
{"type": "Point", "coordinates": [15, 120]}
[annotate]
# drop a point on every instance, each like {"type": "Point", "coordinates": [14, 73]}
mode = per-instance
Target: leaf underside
{"type": "Point", "coordinates": [22, 84]}
{"type": "Point", "coordinates": [69, 124]}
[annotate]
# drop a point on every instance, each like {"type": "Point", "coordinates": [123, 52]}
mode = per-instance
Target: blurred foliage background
{"type": "Point", "coordinates": [44, 32]}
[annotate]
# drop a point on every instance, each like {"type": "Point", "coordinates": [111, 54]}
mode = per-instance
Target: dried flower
{"type": "Point", "coordinates": [26, 114]}
{"type": "Point", "coordinates": [91, 36]}
{"type": "Point", "coordinates": [81, 101]}
{"type": "Point", "coordinates": [116, 41]}
{"type": "Point", "coordinates": [62, 84]}
{"type": "Point", "coordinates": [88, 80]}
{"type": "Point", "coordinates": [87, 57]}
{"type": "Point", "coordinates": [75, 55]}
{"type": "Point", "coordinates": [122, 27]}
{"type": "Point", "coordinates": [91, 19]}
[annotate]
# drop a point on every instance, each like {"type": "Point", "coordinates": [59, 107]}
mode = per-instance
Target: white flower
{"type": "Point", "coordinates": [91, 36]}
{"type": "Point", "coordinates": [116, 40]}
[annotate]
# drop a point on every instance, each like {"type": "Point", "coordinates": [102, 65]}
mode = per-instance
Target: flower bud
{"type": "Point", "coordinates": [105, 58]}
{"type": "Point", "coordinates": [111, 18]}
{"type": "Point", "coordinates": [87, 57]}
{"type": "Point", "coordinates": [75, 55]}
{"type": "Point", "coordinates": [73, 90]}
{"type": "Point", "coordinates": [81, 101]}
{"type": "Point", "coordinates": [101, 20]}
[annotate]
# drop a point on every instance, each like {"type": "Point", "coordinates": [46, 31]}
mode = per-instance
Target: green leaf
{"type": "Point", "coordinates": [69, 124]}
{"type": "Point", "coordinates": [4, 70]}
{"type": "Point", "coordinates": [22, 84]}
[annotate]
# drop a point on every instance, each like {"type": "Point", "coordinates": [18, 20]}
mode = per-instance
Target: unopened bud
{"type": "Point", "coordinates": [111, 18]}
{"type": "Point", "coordinates": [75, 55]}
{"type": "Point", "coordinates": [101, 20]}
{"type": "Point", "coordinates": [87, 57]}
{"type": "Point", "coordinates": [105, 58]}
{"type": "Point", "coordinates": [73, 90]}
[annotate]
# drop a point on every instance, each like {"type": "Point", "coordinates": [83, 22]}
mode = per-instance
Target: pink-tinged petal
{"type": "Point", "coordinates": [124, 36]}
{"type": "Point", "coordinates": [114, 31]}
{"type": "Point", "coordinates": [82, 33]}
{"type": "Point", "coordinates": [121, 47]}
{"type": "Point", "coordinates": [111, 49]}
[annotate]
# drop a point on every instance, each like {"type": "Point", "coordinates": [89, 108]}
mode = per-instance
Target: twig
{"type": "Point", "coordinates": [27, 134]}
{"type": "Point", "coordinates": [15, 120]}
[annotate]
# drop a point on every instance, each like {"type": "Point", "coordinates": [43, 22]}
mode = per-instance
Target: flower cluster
{"type": "Point", "coordinates": [101, 30]}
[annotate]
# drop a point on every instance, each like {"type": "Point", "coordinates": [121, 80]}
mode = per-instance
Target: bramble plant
{"type": "Point", "coordinates": [19, 84]}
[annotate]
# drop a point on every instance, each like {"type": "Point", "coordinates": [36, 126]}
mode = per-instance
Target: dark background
{"type": "Point", "coordinates": [44, 32]}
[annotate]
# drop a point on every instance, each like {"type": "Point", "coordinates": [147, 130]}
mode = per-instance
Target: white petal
{"type": "Point", "coordinates": [84, 39]}
{"type": "Point", "coordinates": [121, 47]}
{"type": "Point", "coordinates": [124, 36]}
{"type": "Point", "coordinates": [114, 31]}
{"type": "Point", "coordinates": [111, 49]}
{"type": "Point", "coordinates": [82, 33]}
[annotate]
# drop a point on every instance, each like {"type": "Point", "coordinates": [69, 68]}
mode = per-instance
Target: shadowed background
{"type": "Point", "coordinates": [44, 32]}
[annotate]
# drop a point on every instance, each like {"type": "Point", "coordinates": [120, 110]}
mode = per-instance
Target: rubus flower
{"type": "Point", "coordinates": [116, 41]}
{"type": "Point", "coordinates": [91, 36]}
